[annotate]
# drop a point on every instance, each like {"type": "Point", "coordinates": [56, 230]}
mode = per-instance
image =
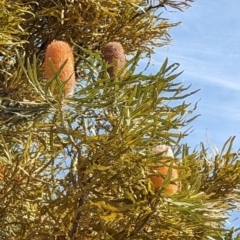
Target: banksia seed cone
{"type": "Point", "coordinates": [113, 53]}
{"type": "Point", "coordinates": [58, 52]}
{"type": "Point", "coordinates": [157, 180]}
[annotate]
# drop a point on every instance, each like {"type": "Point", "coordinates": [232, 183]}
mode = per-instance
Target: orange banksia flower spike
{"type": "Point", "coordinates": [58, 52]}
{"type": "Point", "coordinates": [113, 53]}
{"type": "Point", "coordinates": [157, 181]}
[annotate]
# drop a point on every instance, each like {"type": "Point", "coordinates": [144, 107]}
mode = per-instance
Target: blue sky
{"type": "Point", "coordinates": [207, 45]}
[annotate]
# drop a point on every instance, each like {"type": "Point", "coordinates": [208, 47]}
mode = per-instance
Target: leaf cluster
{"type": "Point", "coordinates": [81, 163]}
{"type": "Point", "coordinates": [89, 24]}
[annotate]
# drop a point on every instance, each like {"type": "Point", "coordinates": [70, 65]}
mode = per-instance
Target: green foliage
{"type": "Point", "coordinates": [11, 18]}
{"type": "Point", "coordinates": [79, 167]}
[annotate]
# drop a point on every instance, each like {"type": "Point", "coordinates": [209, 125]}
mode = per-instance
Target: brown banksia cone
{"type": "Point", "coordinates": [58, 52]}
{"type": "Point", "coordinates": [157, 181]}
{"type": "Point", "coordinates": [113, 53]}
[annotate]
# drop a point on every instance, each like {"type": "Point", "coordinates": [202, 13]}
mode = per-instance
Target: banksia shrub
{"type": "Point", "coordinates": [158, 181]}
{"type": "Point", "coordinates": [56, 54]}
{"type": "Point", "coordinates": [113, 53]}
